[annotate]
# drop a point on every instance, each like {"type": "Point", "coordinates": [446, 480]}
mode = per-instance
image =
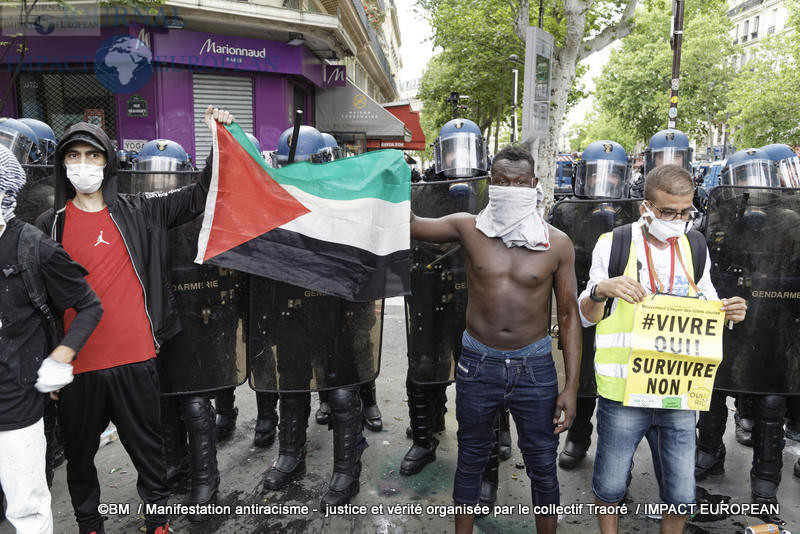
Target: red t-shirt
{"type": "Point", "coordinates": [124, 334]}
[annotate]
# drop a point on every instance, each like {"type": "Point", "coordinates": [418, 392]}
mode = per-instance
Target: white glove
{"type": "Point", "coordinates": [53, 375]}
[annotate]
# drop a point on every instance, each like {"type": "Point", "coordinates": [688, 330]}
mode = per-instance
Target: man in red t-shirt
{"type": "Point", "coordinates": [122, 242]}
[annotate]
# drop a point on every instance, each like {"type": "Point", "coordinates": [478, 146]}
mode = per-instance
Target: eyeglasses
{"type": "Point", "coordinates": [668, 214]}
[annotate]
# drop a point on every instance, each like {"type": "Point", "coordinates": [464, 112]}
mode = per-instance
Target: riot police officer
{"type": "Point", "coordinates": [20, 139]}
{"type": "Point", "coordinates": [186, 411]}
{"type": "Point", "coordinates": [665, 147]}
{"type": "Point", "coordinates": [46, 139]}
{"type": "Point", "coordinates": [752, 168]}
{"type": "Point", "coordinates": [301, 345]}
{"type": "Point", "coordinates": [602, 175]}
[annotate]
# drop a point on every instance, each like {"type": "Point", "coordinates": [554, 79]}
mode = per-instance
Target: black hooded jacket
{"type": "Point", "coordinates": [143, 220]}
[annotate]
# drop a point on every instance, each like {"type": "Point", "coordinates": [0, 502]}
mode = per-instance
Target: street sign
{"type": "Point", "coordinates": [538, 75]}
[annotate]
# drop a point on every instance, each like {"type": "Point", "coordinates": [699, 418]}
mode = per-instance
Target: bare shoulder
{"type": "Point", "coordinates": [558, 239]}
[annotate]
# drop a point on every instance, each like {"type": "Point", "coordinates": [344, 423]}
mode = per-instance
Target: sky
{"type": "Point", "coordinates": [415, 53]}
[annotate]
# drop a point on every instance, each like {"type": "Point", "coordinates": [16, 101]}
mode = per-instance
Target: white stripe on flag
{"type": "Point", "coordinates": [211, 199]}
{"type": "Point", "coordinates": [371, 224]}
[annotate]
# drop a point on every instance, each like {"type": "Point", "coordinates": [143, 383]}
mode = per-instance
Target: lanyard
{"type": "Point", "coordinates": [655, 283]}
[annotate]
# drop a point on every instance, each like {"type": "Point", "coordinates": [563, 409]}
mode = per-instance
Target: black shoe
{"type": "Point", "coordinates": [286, 469]}
{"type": "Point", "coordinates": [372, 418]}
{"type": "Point", "coordinates": [791, 432]}
{"type": "Point", "coordinates": [341, 489]}
{"type": "Point", "coordinates": [226, 423]}
{"type": "Point", "coordinates": [744, 430]}
{"type": "Point", "coordinates": [200, 426]}
{"type": "Point", "coordinates": [504, 448]}
{"type": "Point", "coordinates": [323, 415]}
{"type": "Point", "coordinates": [418, 457]}
{"type": "Point", "coordinates": [265, 432]}
{"type": "Point", "coordinates": [178, 475]}
{"type": "Point", "coordinates": [709, 464]}
{"type": "Point", "coordinates": [572, 454]}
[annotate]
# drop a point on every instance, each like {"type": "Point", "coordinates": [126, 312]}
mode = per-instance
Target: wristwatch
{"type": "Point", "coordinates": [594, 297]}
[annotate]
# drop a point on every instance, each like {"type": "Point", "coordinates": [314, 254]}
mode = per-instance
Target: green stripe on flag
{"type": "Point", "coordinates": [381, 174]}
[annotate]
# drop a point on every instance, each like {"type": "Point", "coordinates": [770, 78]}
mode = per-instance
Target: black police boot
{"type": "Point", "coordinates": [422, 416]}
{"type": "Point", "coordinates": [226, 413]}
{"type": "Point", "coordinates": [372, 415]}
{"type": "Point", "coordinates": [504, 436]}
{"type": "Point", "coordinates": [490, 479]}
{"type": "Point", "coordinates": [176, 455]}
{"type": "Point", "coordinates": [709, 457]}
{"type": "Point", "coordinates": [348, 444]}
{"type": "Point", "coordinates": [267, 420]}
{"type": "Point", "coordinates": [579, 436]}
{"type": "Point", "coordinates": [439, 407]}
{"type": "Point", "coordinates": [743, 417]}
{"type": "Point", "coordinates": [291, 463]}
{"type": "Point", "coordinates": [765, 475]}
{"type": "Point", "coordinates": [792, 429]}
{"type": "Point", "coordinates": [323, 415]}
{"type": "Point", "coordinates": [199, 419]}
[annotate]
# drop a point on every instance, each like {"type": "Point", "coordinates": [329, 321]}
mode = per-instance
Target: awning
{"type": "Point", "coordinates": [348, 109]}
{"type": "Point", "coordinates": [402, 110]}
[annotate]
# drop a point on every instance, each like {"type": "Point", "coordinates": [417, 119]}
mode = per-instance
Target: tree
{"type": "Point", "coordinates": [491, 29]}
{"type": "Point", "coordinates": [601, 125]}
{"type": "Point", "coordinates": [765, 102]}
{"type": "Point", "coordinates": [635, 84]}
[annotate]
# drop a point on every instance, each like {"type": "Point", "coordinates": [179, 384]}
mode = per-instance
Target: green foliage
{"type": "Point", "coordinates": [765, 101]}
{"type": "Point", "coordinates": [601, 125]}
{"type": "Point", "coordinates": [635, 84]}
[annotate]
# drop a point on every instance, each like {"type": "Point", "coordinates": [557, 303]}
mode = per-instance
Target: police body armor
{"type": "Point", "coordinates": [208, 353]}
{"type": "Point", "coordinates": [584, 220]}
{"type": "Point", "coordinates": [303, 340]}
{"type": "Point", "coordinates": [436, 308]}
{"type": "Point", "coordinates": [753, 240]}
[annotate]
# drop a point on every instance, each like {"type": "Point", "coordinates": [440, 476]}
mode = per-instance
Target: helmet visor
{"type": "Point", "coordinates": [669, 156]}
{"type": "Point", "coordinates": [789, 172]}
{"type": "Point", "coordinates": [19, 145]}
{"type": "Point", "coordinates": [755, 173]}
{"type": "Point", "coordinates": [601, 179]}
{"type": "Point", "coordinates": [460, 156]}
{"type": "Point", "coordinates": [159, 163]}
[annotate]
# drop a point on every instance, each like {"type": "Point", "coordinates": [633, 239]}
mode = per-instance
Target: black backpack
{"type": "Point", "coordinates": [28, 256]}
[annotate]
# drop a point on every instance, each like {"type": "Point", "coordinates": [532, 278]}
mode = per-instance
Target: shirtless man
{"type": "Point", "coordinates": [514, 262]}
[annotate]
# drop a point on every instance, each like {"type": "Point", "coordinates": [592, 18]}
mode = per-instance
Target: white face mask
{"type": "Point", "coordinates": [514, 214]}
{"type": "Point", "coordinates": [664, 230]}
{"type": "Point", "coordinates": [85, 178]}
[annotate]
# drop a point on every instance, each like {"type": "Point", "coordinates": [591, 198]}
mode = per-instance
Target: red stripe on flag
{"type": "Point", "coordinates": [249, 202]}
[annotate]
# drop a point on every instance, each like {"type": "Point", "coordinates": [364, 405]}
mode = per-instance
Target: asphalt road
{"type": "Point", "coordinates": [396, 504]}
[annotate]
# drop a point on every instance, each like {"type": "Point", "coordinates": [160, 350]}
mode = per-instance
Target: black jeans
{"type": "Point", "coordinates": [128, 396]}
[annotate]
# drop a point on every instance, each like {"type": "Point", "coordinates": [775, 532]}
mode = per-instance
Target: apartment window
{"type": "Point", "coordinates": [755, 27]}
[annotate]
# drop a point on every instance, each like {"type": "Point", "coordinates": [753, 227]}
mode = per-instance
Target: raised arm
{"type": "Point", "coordinates": [569, 325]}
{"type": "Point", "coordinates": [442, 230]}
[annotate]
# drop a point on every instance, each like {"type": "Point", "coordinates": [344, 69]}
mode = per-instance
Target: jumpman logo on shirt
{"type": "Point", "coordinates": [100, 240]}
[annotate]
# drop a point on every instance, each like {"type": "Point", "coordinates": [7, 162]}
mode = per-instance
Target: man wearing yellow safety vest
{"type": "Point", "coordinates": [659, 260]}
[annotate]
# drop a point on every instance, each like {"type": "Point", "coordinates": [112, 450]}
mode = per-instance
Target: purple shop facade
{"type": "Point", "coordinates": [277, 71]}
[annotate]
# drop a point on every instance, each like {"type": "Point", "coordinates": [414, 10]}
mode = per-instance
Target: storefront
{"type": "Point", "coordinates": [402, 110]}
{"type": "Point", "coordinates": [162, 89]}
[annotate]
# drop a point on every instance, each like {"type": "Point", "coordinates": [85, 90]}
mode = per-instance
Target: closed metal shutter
{"type": "Point", "coordinates": [233, 93]}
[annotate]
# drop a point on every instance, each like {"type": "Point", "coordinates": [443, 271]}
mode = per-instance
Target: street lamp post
{"type": "Point", "coordinates": [514, 59]}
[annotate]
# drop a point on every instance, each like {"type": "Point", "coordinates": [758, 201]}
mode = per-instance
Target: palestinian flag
{"type": "Point", "coordinates": [341, 228]}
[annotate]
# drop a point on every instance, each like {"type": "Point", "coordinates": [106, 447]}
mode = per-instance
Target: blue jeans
{"type": "Point", "coordinates": [489, 380]}
{"type": "Point", "coordinates": [671, 436]}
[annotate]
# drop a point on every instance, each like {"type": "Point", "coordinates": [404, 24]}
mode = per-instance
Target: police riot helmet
{"type": "Point", "coordinates": [331, 151]}
{"type": "Point", "coordinates": [668, 147]}
{"type": "Point", "coordinates": [161, 156]}
{"type": "Point", "coordinates": [788, 163]}
{"type": "Point", "coordinates": [602, 171]}
{"type": "Point", "coordinates": [253, 139]}
{"type": "Point", "coordinates": [309, 145]}
{"type": "Point", "coordinates": [460, 150]}
{"type": "Point", "coordinates": [750, 167]}
{"type": "Point", "coordinates": [47, 139]}
{"type": "Point", "coordinates": [20, 139]}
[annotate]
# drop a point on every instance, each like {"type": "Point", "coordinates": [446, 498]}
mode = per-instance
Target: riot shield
{"type": "Point", "coordinates": [38, 193]}
{"type": "Point", "coordinates": [436, 309]}
{"type": "Point", "coordinates": [584, 221]}
{"type": "Point", "coordinates": [753, 237]}
{"type": "Point", "coordinates": [209, 352]}
{"type": "Point", "coordinates": [303, 340]}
